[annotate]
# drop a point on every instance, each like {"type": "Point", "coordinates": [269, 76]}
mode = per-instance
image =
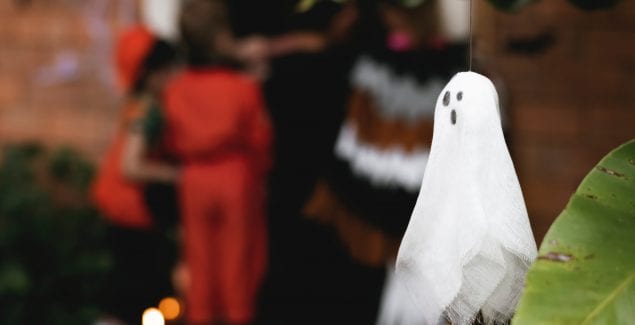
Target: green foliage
{"type": "Point", "coordinates": [52, 258]}
{"type": "Point", "coordinates": [586, 270]}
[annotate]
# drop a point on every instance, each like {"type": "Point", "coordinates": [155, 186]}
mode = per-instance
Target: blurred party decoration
{"type": "Point", "coordinates": [170, 308]}
{"type": "Point", "coordinates": [585, 273]}
{"type": "Point", "coordinates": [152, 316]}
{"type": "Point", "coordinates": [469, 242]}
{"type": "Point", "coordinates": [52, 261]}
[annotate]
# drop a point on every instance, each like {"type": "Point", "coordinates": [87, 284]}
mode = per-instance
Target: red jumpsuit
{"type": "Point", "coordinates": [216, 125]}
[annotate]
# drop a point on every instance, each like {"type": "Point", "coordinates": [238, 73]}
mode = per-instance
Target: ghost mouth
{"type": "Point", "coordinates": [453, 117]}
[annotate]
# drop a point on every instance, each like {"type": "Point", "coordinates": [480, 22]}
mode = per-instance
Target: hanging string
{"type": "Point", "coordinates": [471, 59]}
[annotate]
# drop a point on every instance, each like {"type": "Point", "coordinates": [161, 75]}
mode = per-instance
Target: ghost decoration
{"type": "Point", "coordinates": [469, 242]}
{"type": "Point", "coordinates": [396, 306]}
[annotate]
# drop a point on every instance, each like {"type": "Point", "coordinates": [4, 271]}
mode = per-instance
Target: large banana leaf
{"type": "Point", "coordinates": [586, 270]}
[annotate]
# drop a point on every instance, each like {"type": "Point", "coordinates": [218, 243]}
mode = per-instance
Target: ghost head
{"type": "Point", "coordinates": [469, 243]}
{"type": "Point", "coordinates": [467, 107]}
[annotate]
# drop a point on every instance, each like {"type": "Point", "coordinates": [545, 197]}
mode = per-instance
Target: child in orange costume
{"type": "Point", "coordinates": [215, 124]}
{"type": "Point", "coordinates": [120, 200]}
{"type": "Point", "coordinates": [144, 64]}
{"type": "Point", "coordinates": [140, 274]}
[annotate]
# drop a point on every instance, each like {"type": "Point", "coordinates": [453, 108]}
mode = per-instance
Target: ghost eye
{"type": "Point", "coordinates": [446, 98]}
{"type": "Point", "coordinates": [459, 96]}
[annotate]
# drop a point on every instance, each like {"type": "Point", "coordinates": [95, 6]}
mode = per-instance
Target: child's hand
{"type": "Point", "coordinates": [253, 50]}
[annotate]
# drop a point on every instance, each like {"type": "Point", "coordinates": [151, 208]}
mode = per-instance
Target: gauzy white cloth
{"type": "Point", "coordinates": [397, 307]}
{"type": "Point", "coordinates": [469, 242]}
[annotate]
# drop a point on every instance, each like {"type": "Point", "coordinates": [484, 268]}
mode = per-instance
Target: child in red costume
{"type": "Point", "coordinates": [215, 124]}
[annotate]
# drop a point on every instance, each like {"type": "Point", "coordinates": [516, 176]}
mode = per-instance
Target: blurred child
{"type": "Point", "coordinates": [140, 275]}
{"type": "Point", "coordinates": [383, 145]}
{"type": "Point", "coordinates": [306, 281]}
{"type": "Point", "coordinates": [215, 124]}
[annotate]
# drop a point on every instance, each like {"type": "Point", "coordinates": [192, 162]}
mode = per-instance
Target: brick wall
{"type": "Point", "coordinates": [56, 85]}
{"type": "Point", "coordinates": [568, 105]}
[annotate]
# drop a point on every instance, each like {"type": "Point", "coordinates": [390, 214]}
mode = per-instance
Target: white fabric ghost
{"type": "Point", "coordinates": [469, 243]}
{"type": "Point", "coordinates": [397, 307]}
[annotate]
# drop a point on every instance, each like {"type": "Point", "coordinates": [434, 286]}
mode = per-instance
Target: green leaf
{"type": "Point", "coordinates": [305, 5]}
{"type": "Point", "coordinates": [585, 273]}
{"type": "Point", "coordinates": [14, 280]}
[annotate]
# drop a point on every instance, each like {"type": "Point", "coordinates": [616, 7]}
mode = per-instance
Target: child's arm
{"type": "Point", "coordinates": [259, 131]}
{"type": "Point", "coordinates": [137, 167]}
{"type": "Point", "coordinates": [256, 51]}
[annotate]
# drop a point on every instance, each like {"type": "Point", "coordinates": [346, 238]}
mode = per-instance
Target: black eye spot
{"type": "Point", "coordinates": [446, 98]}
{"type": "Point", "coordinates": [453, 117]}
{"type": "Point", "coordinates": [459, 96]}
